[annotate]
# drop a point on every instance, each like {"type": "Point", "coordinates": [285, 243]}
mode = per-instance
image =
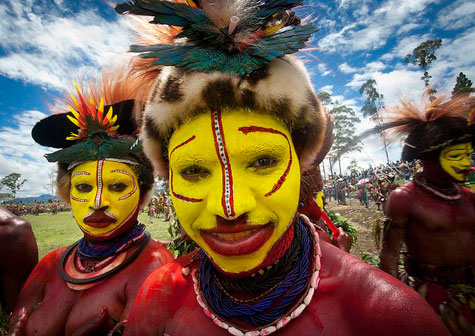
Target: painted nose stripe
{"type": "Point", "coordinates": [97, 200]}
{"type": "Point", "coordinates": [227, 199]}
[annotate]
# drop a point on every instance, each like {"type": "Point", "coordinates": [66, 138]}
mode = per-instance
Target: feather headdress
{"type": "Point", "coordinates": [98, 128]}
{"type": "Point", "coordinates": [438, 124]}
{"type": "Point", "coordinates": [236, 37]}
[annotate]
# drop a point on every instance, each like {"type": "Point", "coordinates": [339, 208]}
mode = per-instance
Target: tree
{"type": "Point", "coordinates": [344, 127]}
{"type": "Point", "coordinates": [353, 166]}
{"type": "Point", "coordinates": [463, 86]}
{"type": "Point", "coordinates": [372, 108]}
{"type": "Point", "coordinates": [12, 182]}
{"type": "Point", "coordinates": [325, 98]}
{"type": "Point", "coordinates": [51, 183]}
{"type": "Point", "coordinates": [423, 55]}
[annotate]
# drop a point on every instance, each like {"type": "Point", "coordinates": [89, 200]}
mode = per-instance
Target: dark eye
{"type": "Point", "coordinates": [194, 173]}
{"type": "Point", "coordinates": [83, 187]}
{"type": "Point", "coordinates": [263, 162]}
{"type": "Point", "coordinates": [117, 187]}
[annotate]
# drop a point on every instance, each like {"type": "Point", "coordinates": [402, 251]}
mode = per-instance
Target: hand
{"type": "Point", "coordinates": [19, 327]}
{"type": "Point", "coordinates": [342, 240]}
{"type": "Point", "coordinates": [454, 318]}
{"type": "Point", "coordinates": [118, 328]}
{"type": "Point", "coordinates": [94, 324]}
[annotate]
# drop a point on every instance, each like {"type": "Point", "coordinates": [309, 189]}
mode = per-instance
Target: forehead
{"type": "Point", "coordinates": [467, 146]}
{"type": "Point", "coordinates": [202, 132]}
{"type": "Point", "coordinates": [109, 167]}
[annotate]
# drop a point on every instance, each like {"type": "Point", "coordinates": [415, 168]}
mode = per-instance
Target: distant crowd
{"type": "Point", "coordinates": [52, 207]}
{"type": "Point", "coordinates": [373, 184]}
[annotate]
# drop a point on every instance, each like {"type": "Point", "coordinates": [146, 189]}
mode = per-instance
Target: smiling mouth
{"type": "Point", "coordinates": [461, 171]}
{"type": "Point", "coordinates": [238, 240]}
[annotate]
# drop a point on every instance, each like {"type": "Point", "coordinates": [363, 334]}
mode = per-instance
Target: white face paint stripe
{"type": "Point", "coordinates": [228, 195]}
{"type": "Point", "coordinates": [100, 165]}
{"type": "Point", "coordinates": [79, 199]}
{"type": "Point", "coordinates": [80, 173]}
{"type": "Point", "coordinates": [133, 181]}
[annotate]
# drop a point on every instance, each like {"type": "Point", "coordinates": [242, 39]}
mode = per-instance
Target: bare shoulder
{"type": "Point", "coordinates": [401, 199]}
{"type": "Point", "coordinates": [374, 300]}
{"type": "Point", "coordinates": [11, 224]}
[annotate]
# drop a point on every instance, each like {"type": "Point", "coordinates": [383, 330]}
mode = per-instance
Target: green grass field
{"type": "Point", "coordinates": [53, 231]}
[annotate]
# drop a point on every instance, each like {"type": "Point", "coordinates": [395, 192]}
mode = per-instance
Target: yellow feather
{"type": "Point", "coordinates": [101, 108]}
{"type": "Point", "coordinates": [73, 137]}
{"type": "Point", "coordinates": [113, 120]}
{"type": "Point", "coordinates": [73, 111]}
{"type": "Point", "coordinates": [109, 114]}
{"type": "Point", "coordinates": [74, 121]}
{"type": "Point", "coordinates": [74, 100]}
{"type": "Point", "coordinates": [114, 128]}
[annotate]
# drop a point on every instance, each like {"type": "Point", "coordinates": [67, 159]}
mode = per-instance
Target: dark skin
{"type": "Point", "coordinates": [47, 306]}
{"type": "Point", "coordinates": [435, 231]}
{"type": "Point", "coordinates": [352, 298]}
{"type": "Point", "coordinates": [19, 257]}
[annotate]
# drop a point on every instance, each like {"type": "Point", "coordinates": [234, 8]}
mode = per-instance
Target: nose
{"type": "Point", "coordinates": [99, 202]}
{"type": "Point", "coordinates": [231, 201]}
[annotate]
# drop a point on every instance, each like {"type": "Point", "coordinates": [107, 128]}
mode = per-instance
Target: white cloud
{"type": "Point", "coordinates": [19, 153]}
{"type": "Point", "coordinates": [345, 68]}
{"type": "Point", "coordinates": [323, 69]}
{"type": "Point", "coordinates": [51, 50]}
{"type": "Point", "coordinates": [408, 27]}
{"type": "Point", "coordinates": [458, 15]}
{"type": "Point", "coordinates": [374, 29]}
{"type": "Point", "coordinates": [326, 88]}
{"type": "Point", "coordinates": [394, 85]}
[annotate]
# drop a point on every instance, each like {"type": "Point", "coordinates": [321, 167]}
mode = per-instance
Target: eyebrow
{"type": "Point", "coordinates": [80, 173]}
{"type": "Point", "coordinates": [182, 144]}
{"type": "Point", "coordinates": [121, 171]}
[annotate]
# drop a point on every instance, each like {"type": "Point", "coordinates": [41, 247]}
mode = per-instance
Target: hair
{"type": "Point", "coordinates": [440, 123]}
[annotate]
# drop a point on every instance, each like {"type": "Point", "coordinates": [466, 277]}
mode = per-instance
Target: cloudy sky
{"type": "Point", "coordinates": [46, 44]}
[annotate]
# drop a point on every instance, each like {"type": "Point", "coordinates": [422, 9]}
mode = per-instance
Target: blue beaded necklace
{"type": "Point", "coordinates": [273, 304]}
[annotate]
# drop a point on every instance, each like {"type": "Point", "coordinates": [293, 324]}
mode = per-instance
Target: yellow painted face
{"type": "Point", "coordinates": [235, 181]}
{"type": "Point", "coordinates": [455, 160]}
{"type": "Point", "coordinates": [105, 197]}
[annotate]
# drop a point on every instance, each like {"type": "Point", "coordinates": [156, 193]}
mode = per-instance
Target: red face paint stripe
{"type": "Point", "coordinates": [97, 201]}
{"type": "Point", "coordinates": [181, 197]}
{"type": "Point", "coordinates": [280, 182]}
{"type": "Point", "coordinates": [227, 199]}
{"type": "Point", "coordinates": [133, 181]}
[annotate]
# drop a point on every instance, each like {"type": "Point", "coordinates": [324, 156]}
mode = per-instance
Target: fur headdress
{"type": "Point", "coordinates": [439, 124]}
{"type": "Point", "coordinates": [229, 54]}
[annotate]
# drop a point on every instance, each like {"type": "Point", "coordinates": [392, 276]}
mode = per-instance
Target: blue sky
{"type": "Point", "coordinates": [46, 45]}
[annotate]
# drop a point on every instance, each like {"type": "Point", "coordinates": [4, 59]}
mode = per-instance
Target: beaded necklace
{"type": "Point", "coordinates": [421, 182]}
{"type": "Point", "coordinates": [101, 250]}
{"type": "Point", "coordinates": [275, 307]}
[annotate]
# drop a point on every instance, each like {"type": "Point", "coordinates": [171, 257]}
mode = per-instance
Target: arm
{"type": "Point", "coordinates": [19, 256]}
{"type": "Point", "coordinates": [32, 293]}
{"type": "Point", "coordinates": [398, 210]}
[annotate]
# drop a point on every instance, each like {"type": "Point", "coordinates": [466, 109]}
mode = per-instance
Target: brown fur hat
{"type": "Point", "coordinates": [282, 88]}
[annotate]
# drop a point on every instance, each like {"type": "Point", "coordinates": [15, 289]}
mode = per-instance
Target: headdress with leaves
{"type": "Point", "coordinates": [233, 36]}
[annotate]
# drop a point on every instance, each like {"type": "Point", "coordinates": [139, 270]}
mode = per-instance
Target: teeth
{"type": "Point", "coordinates": [234, 236]}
